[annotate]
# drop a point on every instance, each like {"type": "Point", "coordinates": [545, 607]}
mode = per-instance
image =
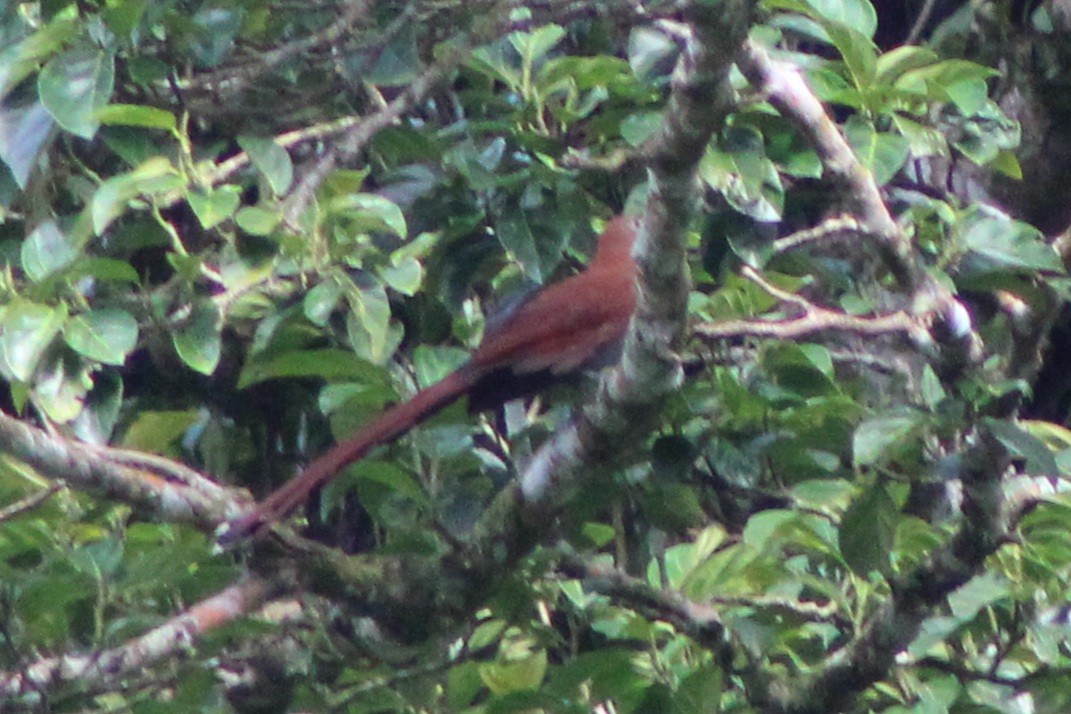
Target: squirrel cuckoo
{"type": "Point", "coordinates": [558, 331]}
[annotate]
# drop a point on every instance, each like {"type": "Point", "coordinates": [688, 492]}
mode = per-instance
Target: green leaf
{"type": "Point", "coordinates": [74, 86]}
{"type": "Point", "coordinates": [881, 152]}
{"type": "Point", "coordinates": [371, 213]}
{"type": "Point", "coordinates": [867, 531]}
{"type": "Point", "coordinates": [124, 17]}
{"type": "Point", "coordinates": [60, 386]}
{"type": "Point", "coordinates": [100, 409]}
{"type": "Point", "coordinates": [802, 368]}
{"type": "Point", "coordinates": [700, 691]}
{"type": "Point", "coordinates": [598, 534]}
{"type": "Point", "coordinates": [983, 136]}
{"type": "Point", "coordinates": [320, 302]}
{"type": "Point", "coordinates": [770, 530]}
{"type": "Point", "coordinates": [922, 140]}
{"type": "Point", "coordinates": [136, 115]}
{"type": "Point", "coordinates": [368, 324]}
{"type": "Point", "coordinates": [106, 269]}
{"type": "Point", "coordinates": [1007, 242]}
{"type": "Point", "coordinates": [873, 438]}
{"type": "Point", "coordinates": [1007, 163]}
{"type": "Point", "coordinates": [26, 331]}
{"type": "Point", "coordinates": [27, 130]}
{"type": "Point", "coordinates": [1055, 436]}
{"type": "Point", "coordinates": [434, 363]}
{"type": "Point", "coordinates": [328, 364]}
{"type": "Point", "coordinates": [198, 340]}
{"type": "Point", "coordinates": [931, 389]}
{"type": "Point", "coordinates": [405, 275]}
{"type": "Point", "coordinates": [979, 592]}
{"type": "Point", "coordinates": [398, 62]}
{"type": "Point", "coordinates": [212, 32]}
{"type": "Point", "coordinates": [740, 170]}
{"type": "Point", "coordinates": [857, 15]}
{"type": "Point", "coordinates": [514, 675]}
{"type": "Point", "coordinates": [107, 335]}
{"type": "Point", "coordinates": [216, 205]}
{"type": "Point", "coordinates": [257, 221]}
{"type": "Point", "coordinates": [515, 235]}
{"type": "Point", "coordinates": [956, 80]}
{"type": "Point", "coordinates": [859, 52]}
{"type": "Point", "coordinates": [582, 73]}
{"type": "Point", "coordinates": [271, 160]}
{"type": "Point", "coordinates": [491, 60]}
{"type": "Point", "coordinates": [673, 506]}
{"type": "Point", "coordinates": [640, 126]}
{"type": "Point", "coordinates": [18, 60]}
{"type": "Point", "coordinates": [532, 46]}
{"type": "Point", "coordinates": [388, 475]}
{"type": "Point", "coordinates": [899, 60]}
{"type": "Point", "coordinates": [154, 431]}
{"type": "Point", "coordinates": [111, 198]}
{"type": "Point", "coordinates": [648, 50]}
{"type": "Point", "coordinates": [1019, 442]}
{"type": "Point", "coordinates": [46, 250]}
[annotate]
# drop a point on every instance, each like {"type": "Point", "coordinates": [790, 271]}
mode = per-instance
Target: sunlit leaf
{"type": "Point", "coordinates": [136, 115]}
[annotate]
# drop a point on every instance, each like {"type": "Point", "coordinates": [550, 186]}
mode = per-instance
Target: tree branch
{"type": "Point", "coordinates": [167, 490]}
{"type": "Point", "coordinates": [786, 89]}
{"type": "Point", "coordinates": [103, 669]}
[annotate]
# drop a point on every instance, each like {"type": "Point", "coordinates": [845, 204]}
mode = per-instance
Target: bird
{"type": "Point", "coordinates": [558, 331]}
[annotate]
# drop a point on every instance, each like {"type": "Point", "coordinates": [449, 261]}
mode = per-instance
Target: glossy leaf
{"type": "Point", "coordinates": [74, 86]}
{"type": "Point", "coordinates": [26, 331]}
{"type": "Point", "coordinates": [47, 250]}
{"type": "Point", "coordinates": [197, 339]}
{"type": "Point", "coordinates": [271, 159]}
{"type": "Point", "coordinates": [107, 335]}
{"type": "Point", "coordinates": [27, 131]}
{"type": "Point", "coordinates": [1007, 242]}
{"type": "Point", "coordinates": [404, 276]}
{"type": "Point", "coordinates": [370, 212]}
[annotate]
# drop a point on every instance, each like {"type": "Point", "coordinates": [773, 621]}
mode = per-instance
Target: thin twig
{"type": "Point", "coordinates": [100, 670]}
{"type": "Point", "coordinates": [30, 502]}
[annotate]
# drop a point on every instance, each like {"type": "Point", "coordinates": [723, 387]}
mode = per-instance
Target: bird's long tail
{"type": "Point", "coordinates": [390, 425]}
